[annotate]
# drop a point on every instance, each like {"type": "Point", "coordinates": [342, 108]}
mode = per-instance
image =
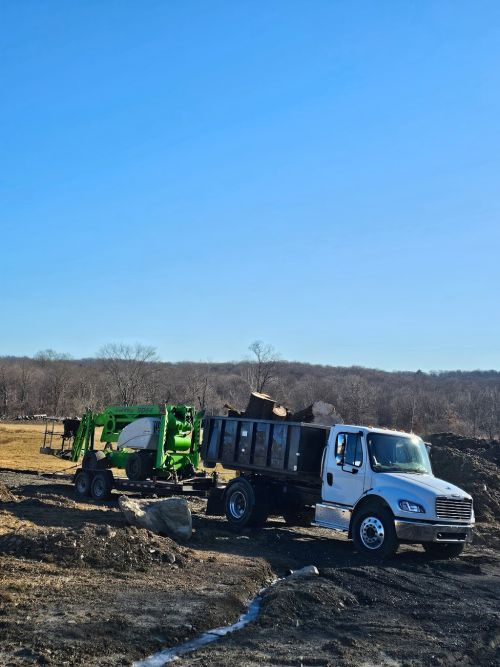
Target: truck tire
{"type": "Point", "coordinates": [101, 486]}
{"type": "Point", "coordinates": [374, 534]}
{"type": "Point", "coordinates": [139, 466]}
{"type": "Point", "coordinates": [245, 504]}
{"type": "Point", "coordinates": [82, 484]}
{"type": "Point", "coordinates": [443, 549]}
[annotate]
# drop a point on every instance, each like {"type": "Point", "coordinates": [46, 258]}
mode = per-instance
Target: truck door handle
{"type": "Point", "coordinates": [329, 478]}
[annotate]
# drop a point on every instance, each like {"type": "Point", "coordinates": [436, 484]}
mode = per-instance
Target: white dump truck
{"type": "Point", "coordinates": [376, 485]}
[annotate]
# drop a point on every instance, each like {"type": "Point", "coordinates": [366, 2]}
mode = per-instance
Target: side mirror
{"type": "Point", "coordinates": [340, 448]}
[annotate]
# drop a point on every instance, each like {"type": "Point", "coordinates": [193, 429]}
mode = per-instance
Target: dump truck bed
{"type": "Point", "coordinates": [290, 449]}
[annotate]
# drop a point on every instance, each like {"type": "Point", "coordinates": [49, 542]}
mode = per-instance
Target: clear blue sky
{"type": "Point", "coordinates": [323, 176]}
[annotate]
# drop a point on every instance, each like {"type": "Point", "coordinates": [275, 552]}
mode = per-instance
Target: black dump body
{"type": "Point", "coordinates": [289, 449]}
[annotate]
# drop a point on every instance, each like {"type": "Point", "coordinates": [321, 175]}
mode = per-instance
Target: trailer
{"type": "Point", "coordinates": [156, 445]}
{"type": "Point", "coordinates": [98, 485]}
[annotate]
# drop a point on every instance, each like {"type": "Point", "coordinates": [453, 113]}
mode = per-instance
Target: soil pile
{"type": "Point", "coordinates": [6, 496]}
{"type": "Point", "coordinates": [473, 465]}
{"type": "Point", "coordinates": [94, 546]}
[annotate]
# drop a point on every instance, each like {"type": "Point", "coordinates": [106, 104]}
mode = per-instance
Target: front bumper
{"type": "Point", "coordinates": [413, 531]}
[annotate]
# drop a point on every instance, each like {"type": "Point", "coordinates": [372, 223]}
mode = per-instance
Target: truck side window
{"type": "Point", "coordinates": [353, 451]}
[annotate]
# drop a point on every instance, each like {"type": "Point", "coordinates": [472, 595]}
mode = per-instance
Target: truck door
{"type": "Point", "coordinates": [344, 469]}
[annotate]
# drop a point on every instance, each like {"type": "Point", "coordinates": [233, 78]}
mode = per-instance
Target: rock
{"type": "Point", "coordinates": [105, 531]}
{"type": "Point", "coordinates": [170, 516]}
{"type": "Point", "coordinates": [307, 571]}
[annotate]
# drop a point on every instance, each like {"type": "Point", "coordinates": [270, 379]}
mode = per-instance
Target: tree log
{"type": "Point", "coordinates": [232, 411]}
{"type": "Point", "coordinates": [279, 413]}
{"type": "Point", "coordinates": [260, 406]}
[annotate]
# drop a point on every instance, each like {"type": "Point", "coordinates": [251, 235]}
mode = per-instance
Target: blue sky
{"type": "Point", "coordinates": [323, 176]}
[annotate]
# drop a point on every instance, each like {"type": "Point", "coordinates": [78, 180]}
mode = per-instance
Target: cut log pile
{"type": "Point", "coordinates": [262, 406]}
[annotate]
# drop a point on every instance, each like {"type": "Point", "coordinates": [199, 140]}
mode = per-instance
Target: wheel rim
{"type": "Point", "coordinates": [99, 487]}
{"type": "Point", "coordinates": [82, 485]}
{"type": "Point", "coordinates": [134, 468]}
{"type": "Point", "coordinates": [237, 504]}
{"type": "Point", "coordinates": [371, 532]}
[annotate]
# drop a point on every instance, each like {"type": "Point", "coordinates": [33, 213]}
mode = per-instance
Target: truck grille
{"type": "Point", "coordinates": [454, 509]}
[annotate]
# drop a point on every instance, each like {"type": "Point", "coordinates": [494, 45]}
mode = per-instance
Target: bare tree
{"type": "Point", "coordinates": [491, 416]}
{"type": "Point", "coordinates": [263, 370]}
{"type": "Point", "coordinates": [5, 388]}
{"type": "Point", "coordinates": [356, 400]}
{"type": "Point", "coordinates": [57, 373]}
{"type": "Point", "coordinates": [24, 382]}
{"type": "Point", "coordinates": [128, 367]}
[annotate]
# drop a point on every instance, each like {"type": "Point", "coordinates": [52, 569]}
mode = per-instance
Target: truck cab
{"type": "Point", "coordinates": [377, 485]}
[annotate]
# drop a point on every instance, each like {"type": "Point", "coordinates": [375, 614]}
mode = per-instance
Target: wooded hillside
{"type": "Point", "coordinates": [462, 402]}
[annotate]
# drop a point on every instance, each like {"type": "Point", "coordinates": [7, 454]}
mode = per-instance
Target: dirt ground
{"type": "Point", "coordinates": [78, 587]}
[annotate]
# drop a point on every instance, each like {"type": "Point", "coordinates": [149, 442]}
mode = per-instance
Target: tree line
{"type": "Point", "coordinates": [52, 383]}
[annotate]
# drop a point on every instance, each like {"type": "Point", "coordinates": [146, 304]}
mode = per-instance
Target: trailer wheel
{"type": "Point", "coordinates": [443, 549]}
{"type": "Point", "coordinates": [82, 484]}
{"type": "Point", "coordinates": [374, 534]}
{"type": "Point", "coordinates": [245, 504]}
{"type": "Point", "coordinates": [101, 486]}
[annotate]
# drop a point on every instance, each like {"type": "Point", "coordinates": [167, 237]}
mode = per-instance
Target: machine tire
{"type": "Point", "coordinates": [245, 504]}
{"type": "Point", "coordinates": [139, 466]}
{"type": "Point", "coordinates": [443, 549]}
{"type": "Point", "coordinates": [101, 486]}
{"type": "Point", "coordinates": [374, 534]}
{"type": "Point", "coordinates": [82, 484]}
{"type": "Point", "coordinates": [94, 460]}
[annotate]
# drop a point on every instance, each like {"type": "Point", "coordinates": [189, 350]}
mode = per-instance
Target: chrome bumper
{"type": "Point", "coordinates": [412, 531]}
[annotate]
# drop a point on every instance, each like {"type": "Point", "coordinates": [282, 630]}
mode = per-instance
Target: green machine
{"type": "Point", "coordinates": [149, 442]}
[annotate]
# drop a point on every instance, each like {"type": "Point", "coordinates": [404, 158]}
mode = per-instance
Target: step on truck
{"type": "Point", "coordinates": [375, 485]}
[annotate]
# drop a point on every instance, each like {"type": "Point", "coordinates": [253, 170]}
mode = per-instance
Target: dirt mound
{"type": "Point", "coordinates": [291, 600]}
{"type": "Point", "coordinates": [459, 441]}
{"type": "Point", "coordinates": [472, 471]}
{"type": "Point", "coordinates": [94, 546]}
{"type": "Point", "coordinates": [6, 496]}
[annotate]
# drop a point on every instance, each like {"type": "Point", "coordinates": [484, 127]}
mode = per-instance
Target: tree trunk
{"type": "Point", "coordinates": [260, 406]}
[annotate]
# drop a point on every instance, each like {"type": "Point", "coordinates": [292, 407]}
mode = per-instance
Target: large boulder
{"type": "Point", "coordinates": [170, 516]}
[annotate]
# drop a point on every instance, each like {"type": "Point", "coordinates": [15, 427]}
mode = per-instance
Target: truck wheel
{"type": "Point", "coordinates": [374, 534]}
{"type": "Point", "coordinates": [100, 488]}
{"type": "Point", "coordinates": [139, 466]}
{"type": "Point", "coordinates": [443, 549]}
{"type": "Point", "coordinates": [82, 484]}
{"type": "Point", "coordinates": [245, 505]}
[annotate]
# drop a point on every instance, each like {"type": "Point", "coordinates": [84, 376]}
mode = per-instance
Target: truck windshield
{"type": "Point", "coordinates": [396, 453]}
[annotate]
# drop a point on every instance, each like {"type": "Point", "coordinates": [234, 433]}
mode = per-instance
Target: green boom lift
{"type": "Point", "coordinates": [158, 442]}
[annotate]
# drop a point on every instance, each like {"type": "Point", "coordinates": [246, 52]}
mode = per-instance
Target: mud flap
{"type": "Point", "coordinates": [215, 503]}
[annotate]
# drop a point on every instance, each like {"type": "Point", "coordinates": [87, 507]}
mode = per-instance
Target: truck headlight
{"type": "Point", "coordinates": [409, 506]}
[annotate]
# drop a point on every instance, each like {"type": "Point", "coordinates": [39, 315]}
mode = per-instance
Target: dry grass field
{"type": "Point", "coordinates": [20, 448]}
